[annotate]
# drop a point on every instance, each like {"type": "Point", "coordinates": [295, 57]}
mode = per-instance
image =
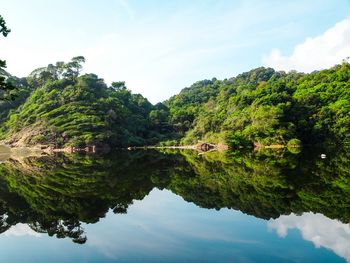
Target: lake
{"type": "Point", "coordinates": [176, 206]}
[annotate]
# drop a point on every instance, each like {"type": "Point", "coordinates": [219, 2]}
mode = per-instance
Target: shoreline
{"type": "Point", "coordinates": [201, 147]}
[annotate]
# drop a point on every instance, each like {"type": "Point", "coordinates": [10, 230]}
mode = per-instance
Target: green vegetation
{"type": "Point", "coordinates": [57, 106]}
{"type": "Point", "coordinates": [266, 107]}
{"type": "Point", "coordinates": [6, 87]}
{"type": "Point", "coordinates": [294, 143]}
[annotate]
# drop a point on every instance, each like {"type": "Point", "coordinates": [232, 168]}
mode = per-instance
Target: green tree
{"type": "Point", "coordinates": [5, 86]}
{"type": "Point", "coordinates": [119, 85]}
{"type": "Point", "coordinates": [74, 67]}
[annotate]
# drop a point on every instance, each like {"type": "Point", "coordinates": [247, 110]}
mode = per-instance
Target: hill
{"type": "Point", "coordinates": [56, 105]}
{"type": "Point", "coordinates": [265, 107]}
{"type": "Point", "coordinates": [63, 108]}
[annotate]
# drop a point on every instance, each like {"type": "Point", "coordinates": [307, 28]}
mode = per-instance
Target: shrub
{"type": "Point", "coordinates": [294, 143]}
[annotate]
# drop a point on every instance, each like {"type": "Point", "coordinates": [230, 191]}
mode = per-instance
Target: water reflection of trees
{"type": "Point", "coordinates": [55, 195]}
{"type": "Point", "coordinates": [268, 184]}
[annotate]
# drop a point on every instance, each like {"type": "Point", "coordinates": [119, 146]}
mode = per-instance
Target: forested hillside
{"type": "Point", "coordinates": [56, 105]}
{"type": "Point", "coordinates": [266, 107]}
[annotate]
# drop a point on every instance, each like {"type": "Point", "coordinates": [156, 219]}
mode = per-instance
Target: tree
{"type": "Point", "coordinates": [74, 67]}
{"type": "Point", "coordinates": [3, 28]}
{"type": "Point", "coordinates": [119, 85]}
{"type": "Point", "coordinates": [5, 86]}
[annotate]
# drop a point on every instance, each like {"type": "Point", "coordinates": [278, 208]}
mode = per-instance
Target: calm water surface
{"type": "Point", "coordinates": [147, 206]}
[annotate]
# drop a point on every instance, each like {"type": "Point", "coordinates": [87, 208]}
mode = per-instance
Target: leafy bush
{"type": "Point", "coordinates": [294, 143]}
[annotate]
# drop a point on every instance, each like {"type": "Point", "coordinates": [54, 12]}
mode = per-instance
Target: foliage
{"type": "Point", "coordinates": [68, 109]}
{"type": "Point", "coordinates": [259, 107]}
{"type": "Point", "coordinates": [6, 87]}
{"type": "Point", "coordinates": [294, 143]}
{"type": "Point", "coordinates": [265, 107]}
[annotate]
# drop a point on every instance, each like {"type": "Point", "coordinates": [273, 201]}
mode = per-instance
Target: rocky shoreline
{"type": "Point", "coordinates": [47, 149]}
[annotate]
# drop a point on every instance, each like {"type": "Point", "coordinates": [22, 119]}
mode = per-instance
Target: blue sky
{"type": "Point", "coordinates": [160, 47]}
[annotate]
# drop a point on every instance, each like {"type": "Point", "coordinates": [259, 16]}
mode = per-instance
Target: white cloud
{"type": "Point", "coordinates": [315, 53]}
{"type": "Point", "coordinates": [317, 228]}
{"type": "Point", "coordinates": [21, 230]}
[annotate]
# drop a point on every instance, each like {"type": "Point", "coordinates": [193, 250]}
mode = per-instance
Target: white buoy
{"type": "Point", "coordinates": [323, 156]}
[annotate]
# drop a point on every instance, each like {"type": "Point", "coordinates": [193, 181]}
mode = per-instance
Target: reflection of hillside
{"type": "Point", "coordinates": [54, 194]}
{"type": "Point", "coordinates": [74, 188]}
{"type": "Point", "coordinates": [246, 183]}
{"type": "Point", "coordinates": [268, 184]}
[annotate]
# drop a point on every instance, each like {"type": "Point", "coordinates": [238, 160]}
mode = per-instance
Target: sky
{"type": "Point", "coordinates": [160, 47]}
{"type": "Point", "coordinates": [317, 228]}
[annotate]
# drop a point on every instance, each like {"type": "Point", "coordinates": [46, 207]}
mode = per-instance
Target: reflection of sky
{"type": "Point", "coordinates": [164, 228]}
{"type": "Point", "coordinates": [21, 230]}
{"type": "Point", "coordinates": [317, 228]}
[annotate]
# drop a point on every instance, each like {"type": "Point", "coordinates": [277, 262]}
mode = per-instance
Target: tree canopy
{"type": "Point", "coordinates": [264, 106]}
{"type": "Point", "coordinates": [57, 105]}
{"type": "Point", "coordinates": [60, 107]}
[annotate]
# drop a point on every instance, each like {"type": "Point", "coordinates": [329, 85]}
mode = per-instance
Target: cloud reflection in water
{"type": "Point", "coordinates": [317, 228]}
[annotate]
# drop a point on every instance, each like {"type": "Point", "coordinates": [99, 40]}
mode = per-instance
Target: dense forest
{"type": "Point", "coordinates": [266, 107]}
{"type": "Point", "coordinates": [57, 106]}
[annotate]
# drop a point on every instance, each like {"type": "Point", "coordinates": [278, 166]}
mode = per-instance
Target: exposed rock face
{"type": "Point", "coordinates": [4, 149]}
{"type": "Point", "coordinates": [4, 153]}
{"type": "Point", "coordinates": [26, 137]}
